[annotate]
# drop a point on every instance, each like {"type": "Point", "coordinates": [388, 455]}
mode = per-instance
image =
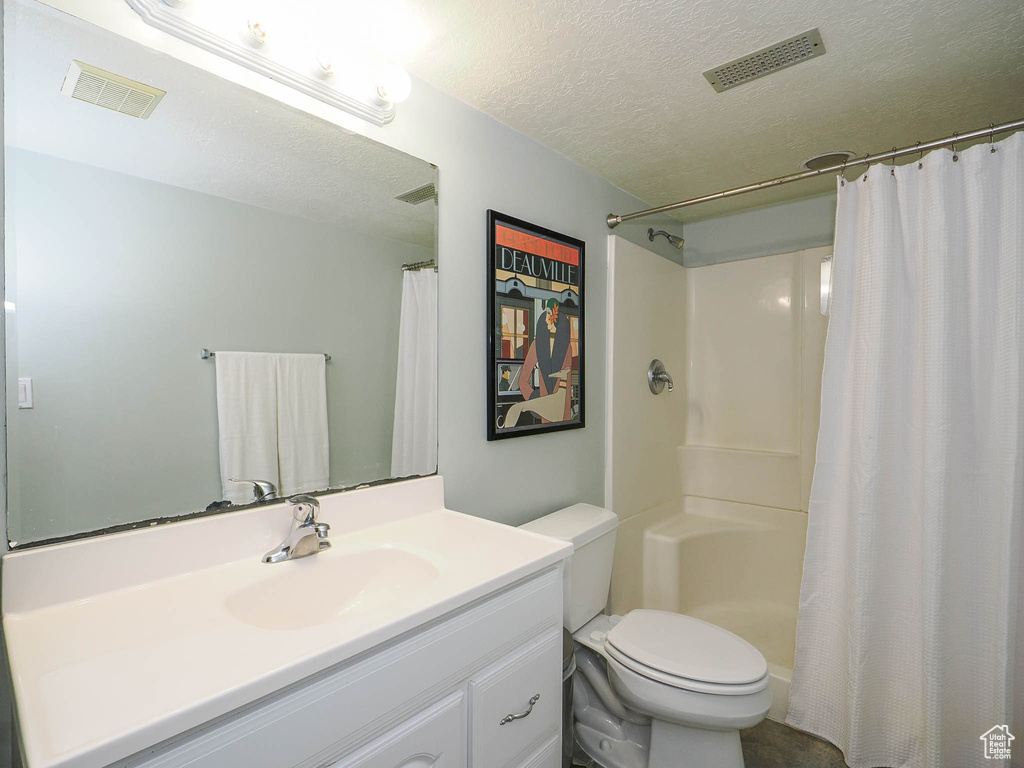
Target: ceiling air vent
{"type": "Point", "coordinates": [105, 89]}
{"type": "Point", "coordinates": [828, 159]}
{"type": "Point", "coordinates": [767, 60]}
{"type": "Point", "coordinates": [419, 195]}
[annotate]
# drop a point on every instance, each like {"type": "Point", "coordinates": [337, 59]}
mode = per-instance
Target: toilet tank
{"type": "Point", "coordinates": [588, 573]}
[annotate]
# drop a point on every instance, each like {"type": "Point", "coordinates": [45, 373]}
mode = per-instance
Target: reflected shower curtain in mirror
{"type": "Point", "coordinates": [414, 445]}
{"type": "Point", "coordinates": [905, 649]}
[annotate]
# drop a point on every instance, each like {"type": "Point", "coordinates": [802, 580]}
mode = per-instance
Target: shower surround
{"type": "Point", "coordinates": [711, 481]}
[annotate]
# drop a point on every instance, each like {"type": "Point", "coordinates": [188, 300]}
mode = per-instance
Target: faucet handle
{"type": "Point", "coordinates": [657, 377]}
{"type": "Point", "coordinates": [305, 508]}
{"type": "Point", "coordinates": [261, 489]}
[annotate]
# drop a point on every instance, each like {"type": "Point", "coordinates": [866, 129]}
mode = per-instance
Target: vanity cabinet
{"type": "Point", "coordinates": [434, 737]}
{"type": "Point", "coordinates": [514, 702]}
{"type": "Point", "coordinates": [454, 692]}
{"type": "Point", "coordinates": [549, 755]}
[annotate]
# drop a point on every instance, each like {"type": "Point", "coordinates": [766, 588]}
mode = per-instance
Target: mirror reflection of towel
{"type": "Point", "coordinates": [272, 422]}
{"type": "Point", "coordinates": [302, 443]}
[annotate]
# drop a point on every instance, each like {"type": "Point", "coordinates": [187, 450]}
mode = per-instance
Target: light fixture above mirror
{"type": "Point", "coordinates": [257, 39]}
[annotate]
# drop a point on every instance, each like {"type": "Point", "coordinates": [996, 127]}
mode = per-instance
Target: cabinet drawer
{"type": "Point", "coordinates": [548, 756]}
{"type": "Point", "coordinates": [533, 673]}
{"type": "Point", "coordinates": [433, 738]}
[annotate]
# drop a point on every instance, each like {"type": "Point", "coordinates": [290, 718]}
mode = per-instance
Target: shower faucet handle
{"type": "Point", "coordinates": [658, 377]}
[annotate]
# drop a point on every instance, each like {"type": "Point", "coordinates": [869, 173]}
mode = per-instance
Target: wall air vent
{"type": "Point", "coordinates": [419, 195]}
{"type": "Point", "coordinates": [105, 89]}
{"type": "Point", "coordinates": [767, 60]}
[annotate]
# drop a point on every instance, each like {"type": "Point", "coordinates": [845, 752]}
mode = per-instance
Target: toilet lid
{"type": "Point", "coordinates": [686, 647]}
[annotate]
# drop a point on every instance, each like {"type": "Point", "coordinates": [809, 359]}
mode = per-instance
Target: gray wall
{"type": "Point", "coordinates": [118, 282]}
{"type": "Point", "coordinates": [780, 228]}
{"type": "Point", "coordinates": [484, 164]}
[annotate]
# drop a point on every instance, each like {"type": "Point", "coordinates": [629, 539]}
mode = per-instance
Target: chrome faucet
{"type": "Point", "coordinates": [262, 490]}
{"type": "Point", "coordinates": [307, 537]}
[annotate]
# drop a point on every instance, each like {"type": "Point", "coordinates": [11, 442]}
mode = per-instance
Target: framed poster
{"type": "Point", "coordinates": [535, 325]}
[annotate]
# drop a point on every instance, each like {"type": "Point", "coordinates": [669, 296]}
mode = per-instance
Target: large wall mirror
{"type": "Point", "coordinates": [224, 221]}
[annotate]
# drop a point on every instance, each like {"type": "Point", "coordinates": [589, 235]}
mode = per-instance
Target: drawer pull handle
{"type": "Point", "coordinates": [510, 717]}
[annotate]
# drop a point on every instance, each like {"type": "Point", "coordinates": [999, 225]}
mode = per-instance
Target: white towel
{"type": "Point", "coordinates": [302, 442]}
{"type": "Point", "coordinates": [247, 421]}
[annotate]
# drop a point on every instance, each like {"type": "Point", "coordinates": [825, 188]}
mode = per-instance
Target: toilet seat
{"type": "Point", "coordinates": [687, 653]}
{"type": "Point", "coordinates": [685, 707]}
{"type": "Point", "coordinates": [684, 683]}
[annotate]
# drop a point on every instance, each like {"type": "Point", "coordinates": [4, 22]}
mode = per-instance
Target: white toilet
{"type": "Point", "coordinates": [653, 689]}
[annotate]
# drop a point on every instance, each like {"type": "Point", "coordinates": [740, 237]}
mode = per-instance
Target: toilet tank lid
{"type": "Point", "coordinates": [580, 524]}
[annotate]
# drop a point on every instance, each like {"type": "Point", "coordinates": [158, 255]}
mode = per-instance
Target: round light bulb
{"type": "Point", "coordinates": [258, 31]}
{"type": "Point", "coordinates": [325, 67]}
{"type": "Point", "coordinates": [393, 84]}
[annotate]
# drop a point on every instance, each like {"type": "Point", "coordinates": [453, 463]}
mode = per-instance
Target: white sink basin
{"type": "Point", "coordinates": [321, 588]}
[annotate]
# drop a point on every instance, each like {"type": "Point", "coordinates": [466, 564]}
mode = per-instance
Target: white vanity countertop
{"type": "Point", "coordinates": [119, 642]}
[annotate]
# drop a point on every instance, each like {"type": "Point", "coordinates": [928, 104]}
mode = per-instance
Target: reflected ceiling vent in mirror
{"type": "Point", "coordinates": [771, 59]}
{"type": "Point", "coordinates": [105, 89]}
{"type": "Point", "coordinates": [419, 195]}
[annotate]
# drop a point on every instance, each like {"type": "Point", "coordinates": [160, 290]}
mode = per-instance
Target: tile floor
{"type": "Point", "coordinates": [774, 745]}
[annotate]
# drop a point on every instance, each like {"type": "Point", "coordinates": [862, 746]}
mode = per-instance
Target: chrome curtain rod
{"type": "Point", "coordinates": [614, 219]}
{"type": "Point", "coordinates": [205, 354]}
{"type": "Point", "coordinates": [415, 266]}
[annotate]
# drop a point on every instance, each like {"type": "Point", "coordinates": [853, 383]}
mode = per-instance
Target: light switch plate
{"type": "Point", "coordinates": [25, 393]}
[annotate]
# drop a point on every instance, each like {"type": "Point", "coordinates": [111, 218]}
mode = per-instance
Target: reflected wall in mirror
{"type": "Point", "coordinates": [225, 220]}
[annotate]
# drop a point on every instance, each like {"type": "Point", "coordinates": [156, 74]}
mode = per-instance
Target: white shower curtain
{"type": "Point", "coordinates": [905, 648]}
{"type": "Point", "coordinates": [414, 442]}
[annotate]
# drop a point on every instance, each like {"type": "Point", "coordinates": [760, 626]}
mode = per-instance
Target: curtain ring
{"type": "Point", "coordinates": [920, 156]}
{"type": "Point", "coordinates": [992, 138]}
{"type": "Point", "coordinates": [866, 156]}
{"type": "Point", "coordinates": [842, 173]}
{"type": "Point", "coordinates": [892, 171]}
{"type": "Point", "coordinates": [956, 157]}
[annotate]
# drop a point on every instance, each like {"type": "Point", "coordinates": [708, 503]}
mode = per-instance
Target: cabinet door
{"type": "Point", "coordinates": [548, 756]}
{"type": "Point", "coordinates": [434, 738]}
{"type": "Point", "coordinates": [516, 703]}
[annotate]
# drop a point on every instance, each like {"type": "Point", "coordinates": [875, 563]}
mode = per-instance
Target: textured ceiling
{"type": "Point", "coordinates": [618, 86]}
{"type": "Point", "coordinates": [206, 135]}
{"type": "Point", "coordinates": [615, 86]}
